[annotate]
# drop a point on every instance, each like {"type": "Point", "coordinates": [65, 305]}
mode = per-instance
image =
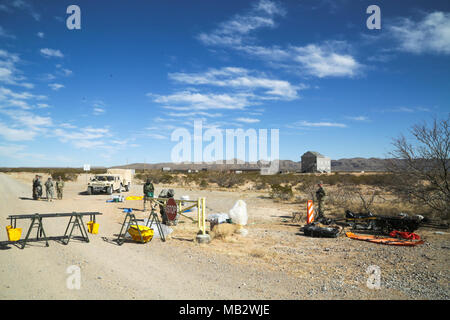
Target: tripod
{"type": "Point", "coordinates": [153, 218]}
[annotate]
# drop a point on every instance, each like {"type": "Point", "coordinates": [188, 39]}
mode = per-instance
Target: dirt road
{"type": "Point", "coordinates": [273, 262]}
{"type": "Point", "coordinates": [155, 270]}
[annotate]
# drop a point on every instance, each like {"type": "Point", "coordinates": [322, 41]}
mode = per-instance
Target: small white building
{"type": "Point", "coordinates": [315, 162]}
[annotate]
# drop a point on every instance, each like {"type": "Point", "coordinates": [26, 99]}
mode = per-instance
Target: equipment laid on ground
{"type": "Point", "coordinates": [384, 224]}
{"type": "Point", "coordinates": [117, 198]}
{"type": "Point", "coordinates": [314, 230]}
{"type": "Point", "coordinates": [404, 235]}
{"type": "Point", "coordinates": [138, 232]}
{"type": "Point", "coordinates": [76, 220]}
{"type": "Point", "coordinates": [384, 240]}
{"type": "Point", "coordinates": [134, 198]}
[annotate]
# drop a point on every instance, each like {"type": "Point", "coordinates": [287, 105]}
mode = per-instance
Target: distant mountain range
{"type": "Point", "coordinates": [352, 164]}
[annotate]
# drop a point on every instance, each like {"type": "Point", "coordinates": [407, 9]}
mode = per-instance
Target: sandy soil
{"type": "Point", "coordinates": [274, 261]}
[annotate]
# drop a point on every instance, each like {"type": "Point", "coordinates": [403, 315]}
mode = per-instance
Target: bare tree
{"type": "Point", "coordinates": [356, 197]}
{"type": "Point", "coordinates": [422, 166]}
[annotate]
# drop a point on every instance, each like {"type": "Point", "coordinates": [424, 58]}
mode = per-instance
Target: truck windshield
{"type": "Point", "coordinates": [100, 178]}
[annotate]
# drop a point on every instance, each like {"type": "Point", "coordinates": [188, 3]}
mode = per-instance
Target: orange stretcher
{"type": "Point", "coordinates": [384, 240]}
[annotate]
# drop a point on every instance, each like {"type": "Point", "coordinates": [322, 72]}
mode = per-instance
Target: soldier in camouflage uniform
{"type": "Point", "coordinates": [59, 188]}
{"type": "Point", "coordinates": [49, 189]}
{"type": "Point", "coordinates": [149, 190]}
{"type": "Point", "coordinates": [35, 181]}
{"type": "Point", "coordinates": [37, 188]}
{"type": "Point", "coordinates": [320, 194]}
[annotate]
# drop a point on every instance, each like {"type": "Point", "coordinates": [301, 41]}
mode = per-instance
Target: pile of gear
{"type": "Point", "coordinates": [392, 230]}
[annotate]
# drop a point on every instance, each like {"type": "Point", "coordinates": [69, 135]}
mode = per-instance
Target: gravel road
{"type": "Point", "coordinates": [272, 262]}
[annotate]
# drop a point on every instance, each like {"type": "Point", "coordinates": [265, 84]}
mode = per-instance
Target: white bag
{"type": "Point", "coordinates": [238, 213]}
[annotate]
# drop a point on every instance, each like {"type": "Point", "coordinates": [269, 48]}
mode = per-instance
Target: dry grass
{"type": "Point", "coordinates": [223, 231]}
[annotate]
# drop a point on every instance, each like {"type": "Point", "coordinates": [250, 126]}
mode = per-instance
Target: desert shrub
{"type": "Point", "coordinates": [226, 180]}
{"type": "Point", "coordinates": [261, 186]}
{"type": "Point", "coordinates": [281, 192]}
{"type": "Point", "coordinates": [156, 176]}
{"type": "Point", "coordinates": [203, 184]}
{"type": "Point", "coordinates": [65, 176]}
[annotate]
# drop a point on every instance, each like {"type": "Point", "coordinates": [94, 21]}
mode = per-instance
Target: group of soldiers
{"type": "Point", "coordinates": [49, 188]}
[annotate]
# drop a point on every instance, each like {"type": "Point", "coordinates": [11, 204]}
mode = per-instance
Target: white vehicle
{"type": "Point", "coordinates": [115, 180]}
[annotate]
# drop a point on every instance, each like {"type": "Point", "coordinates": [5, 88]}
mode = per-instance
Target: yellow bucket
{"type": "Point", "coordinates": [13, 233]}
{"type": "Point", "coordinates": [92, 227]}
{"type": "Point", "coordinates": [147, 233]}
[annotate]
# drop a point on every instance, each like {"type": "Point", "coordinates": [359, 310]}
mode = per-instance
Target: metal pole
{"type": "Point", "coordinates": [198, 212]}
{"type": "Point", "coordinates": [203, 215]}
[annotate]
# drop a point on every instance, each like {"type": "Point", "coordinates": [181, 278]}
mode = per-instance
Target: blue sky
{"type": "Point", "coordinates": [114, 91]}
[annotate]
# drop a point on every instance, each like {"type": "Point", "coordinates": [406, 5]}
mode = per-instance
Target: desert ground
{"type": "Point", "coordinates": [273, 261]}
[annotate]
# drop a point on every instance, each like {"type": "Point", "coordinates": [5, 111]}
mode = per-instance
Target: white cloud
{"type": "Point", "coordinates": [63, 71]}
{"type": "Point", "coordinates": [429, 35]}
{"type": "Point", "coordinates": [26, 85]}
{"type": "Point", "coordinates": [358, 118]}
{"type": "Point", "coordinates": [98, 111]}
{"type": "Point", "coordinates": [28, 119]}
{"type": "Point", "coordinates": [10, 150]}
{"type": "Point", "coordinates": [188, 100]}
{"type": "Point", "coordinates": [56, 86]}
{"type": "Point", "coordinates": [12, 134]}
{"type": "Point", "coordinates": [156, 136]}
{"type": "Point", "coordinates": [319, 124]}
{"type": "Point", "coordinates": [23, 5]}
{"type": "Point", "coordinates": [6, 34]}
{"type": "Point", "coordinates": [15, 99]}
{"type": "Point", "coordinates": [47, 77]}
{"type": "Point", "coordinates": [51, 53]}
{"type": "Point", "coordinates": [194, 113]}
{"type": "Point", "coordinates": [40, 34]}
{"type": "Point", "coordinates": [407, 109]}
{"type": "Point", "coordinates": [23, 95]}
{"type": "Point", "coordinates": [233, 31]}
{"type": "Point", "coordinates": [324, 61]}
{"type": "Point", "coordinates": [9, 74]}
{"type": "Point", "coordinates": [19, 103]}
{"type": "Point", "coordinates": [67, 125]}
{"type": "Point", "coordinates": [84, 138]}
{"type": "Point", "coordinates": [240, 78]}
{"type": "Point", "coordinates": [328, 59]}
{"type": "Point", "coordinates": [247, 120]}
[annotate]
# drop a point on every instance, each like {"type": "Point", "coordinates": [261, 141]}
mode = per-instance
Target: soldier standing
{"type": "Point", "coordinates": [37, 188]}
{"type": "Point", "coordinates": [49, 189]}
{"type": "Point", "coordinates": [59, 188]}
{"type": "Point", "coordinates": [149, 190]}
{"type": "Point", "coordinates": [36, 178]}
{"type": "Point", "coordinates": [320, 194]}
